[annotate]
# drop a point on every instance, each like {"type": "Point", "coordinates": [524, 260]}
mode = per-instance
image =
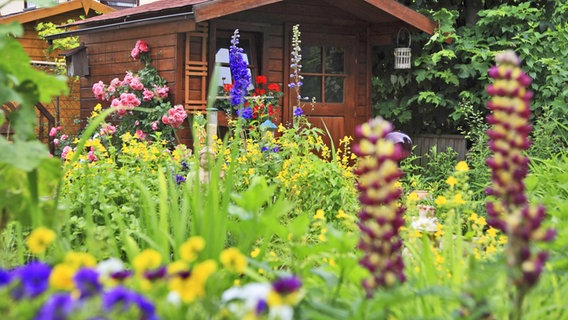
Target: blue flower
{"type": "Point", "coordinates": [117, 295]}
{"type": "Point", "coordinates": [239, 71]}
{"type": "Point", "coordinates": [146, 307]}
{"type": "Point", "coordinates": [275, 149]}
{"type": "Point", "coordinates": [180, 178]}
{"type": "Point", "coordinates": [33, 280]}
{"type": "Point", "coordinates": [245, 113]}
{"type": "Point", "coordinates": [261, 307]}
{"type": "Point", "coordinates": [127, 298]}
{"type": "Point", "coordinates": [287, 285]}
{"type": "Point", "coordinates": [298, 112]}
{"type": "Point", "coordinates": [155, 274]}
{"type": "Point", "coordinates": [5, 278]}
{"type": "Point", "coordinates": [264, 149]}
{"type": "Point", "coordinates": [87, 281]}
{"type": "Point", "coordinates": [58, 307]}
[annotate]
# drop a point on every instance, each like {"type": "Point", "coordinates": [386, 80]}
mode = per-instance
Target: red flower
{"type": "Point", "coordinates": [274, 87]}
{"type": "Point", "coordinates": [227, 87]}
{"type": "Point", "coordinates": [259, 92]}
{"type": "Point", "coordinates": [270, 110]}
{"type": "Point", "coordinates": [260, 80]}
{"type": "Point", "coordinates": [142, 46]}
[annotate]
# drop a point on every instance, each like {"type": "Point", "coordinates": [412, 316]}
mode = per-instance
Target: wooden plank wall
{"type": "Point", "coordinates": [424, 142]}
{"type": "Point", "coordinates": [109, 57]}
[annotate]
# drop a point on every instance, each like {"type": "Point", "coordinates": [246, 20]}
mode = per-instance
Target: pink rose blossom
{"type": "Point", "coordinates": [107, 129]}
{"type": "Point", "coordinates": [140, 47]}
{"type": "Point", "coordinates": [65, 151]}
{"type": "Point", "coordinates": [155, 125]}
{"type": "Point", "coordinates": [165, 119]}
{"type": "Point", "coordinates": [56, 142]}
{"type": "Point", "coordinates": [175, 116]}
{"type": "Point", "coordinates": [111, 89]}
{"type": "Point", "coordinates": [147, 95]}
{"type": "Point", "coordinates": [127, 79]}
{"type": "Point", "coordinates": [99, 90]}
{"type": "Point", "coordinates": [136, 122]}
{"type": "Point", "coordinates": [121, 112]}
{"type": "Point", "coordinates": [162, 92]}
{"type": "Point", "coordinates": [135, 53]}
{"type": "Point", "coordinates": [115, 103]}
{"type": "Point", "coordinates": [91, 156]}
{"type": "Point", "coordinates": [129, 100]}
{"type": "Point", "coordinates": [140, 134]}
{"type": "Point", "coordinates": [64, 137]}
{"type": "Point", "coordinates": [53, 132]}
{"type": "Point", "coordinates": [115, 82]}
{"type": "Point", "coordinates": [135, 84]}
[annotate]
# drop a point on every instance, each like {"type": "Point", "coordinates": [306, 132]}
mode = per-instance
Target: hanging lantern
{"type": "Point", "coordinates": [402, 54]}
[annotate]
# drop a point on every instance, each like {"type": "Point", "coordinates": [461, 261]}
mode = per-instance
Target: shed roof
{"type": "Point", "coordinates": [64, 7]}
{"type": "Point", "coordinates": [203, 10]}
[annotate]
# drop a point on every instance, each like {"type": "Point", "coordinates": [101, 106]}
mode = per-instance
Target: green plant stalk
{"type": "Point", "coordinates": [35, 213]}
{"type": "Point", "coordinates": [516, 293]}
{"type": "Point", "coordinates": [150, 221]}
{"type": "Point", "coordinates": [163, 230]}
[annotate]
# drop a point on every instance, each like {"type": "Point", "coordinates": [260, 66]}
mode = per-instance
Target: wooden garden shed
{"type": "Point", "coordinates": [187, 36]}
{"type": "Point", "coordinates": [63, 110]}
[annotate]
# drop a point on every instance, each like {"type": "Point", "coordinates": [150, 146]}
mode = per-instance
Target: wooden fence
{"type": "Point", "coordinates": [424, 142]}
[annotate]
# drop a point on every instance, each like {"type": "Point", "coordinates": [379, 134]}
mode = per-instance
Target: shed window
{"type": "Point", "coordinates": [248, 42]}
{"type": "Point", "coordinates": [323, 68]}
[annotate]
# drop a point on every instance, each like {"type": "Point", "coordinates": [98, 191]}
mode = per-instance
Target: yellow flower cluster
{"type": "Point", "coordinates": [233, 260]}
{"type": "Point", "coordinates": [39, 239]}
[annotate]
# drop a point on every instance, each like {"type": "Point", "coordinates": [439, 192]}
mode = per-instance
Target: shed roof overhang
{"type": "Point", "coordinates": [374, 11]}
{"type": "Point", "coordinates": [64, 7]}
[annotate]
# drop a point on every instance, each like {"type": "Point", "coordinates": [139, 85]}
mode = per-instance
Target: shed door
{"type": "Point", "coordinates": [328, 70]}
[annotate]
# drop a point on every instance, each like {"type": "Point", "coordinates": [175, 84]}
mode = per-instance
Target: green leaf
{"type": "Point", "coordinates": [15, 64]}
{"type": "Point", "coordinates": [24, 155]}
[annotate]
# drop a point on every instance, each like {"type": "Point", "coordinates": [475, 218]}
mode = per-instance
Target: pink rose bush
{"type": "Point", "coordinates": [145, 90]}
{"type": "Point", "coordinates": [175, 116]}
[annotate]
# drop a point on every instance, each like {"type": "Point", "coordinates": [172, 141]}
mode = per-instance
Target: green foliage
{"type": "Point", "coordinates": [24, 159]}
{"type": "Point", "coordinates": [48, 28]}
{"type": "Point", "coordinates": [448, 76]}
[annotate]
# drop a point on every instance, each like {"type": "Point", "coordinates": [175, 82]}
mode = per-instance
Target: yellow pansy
{"type": "Point", "coordinates": [233, 260]}
{"type": "Point", "coordinates": [191, 248]}
{"type": "Point", "coordinates": [61, 277]}
{"type": "Point", "coordinates": [147, 260]}
{"type": "Point", "coordinates": [78, 260]}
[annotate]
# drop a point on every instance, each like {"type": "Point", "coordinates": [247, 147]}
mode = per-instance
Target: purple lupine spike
{"type": "Point", "coordinates": [380, 218]}
{"type": "Point", "coordinates": [509, 210]}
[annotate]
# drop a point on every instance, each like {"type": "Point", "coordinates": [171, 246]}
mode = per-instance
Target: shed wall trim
{"type": "Point", "coordinates": [405, 14]}
{"type": "Point", "coordinates": [219, 8]}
